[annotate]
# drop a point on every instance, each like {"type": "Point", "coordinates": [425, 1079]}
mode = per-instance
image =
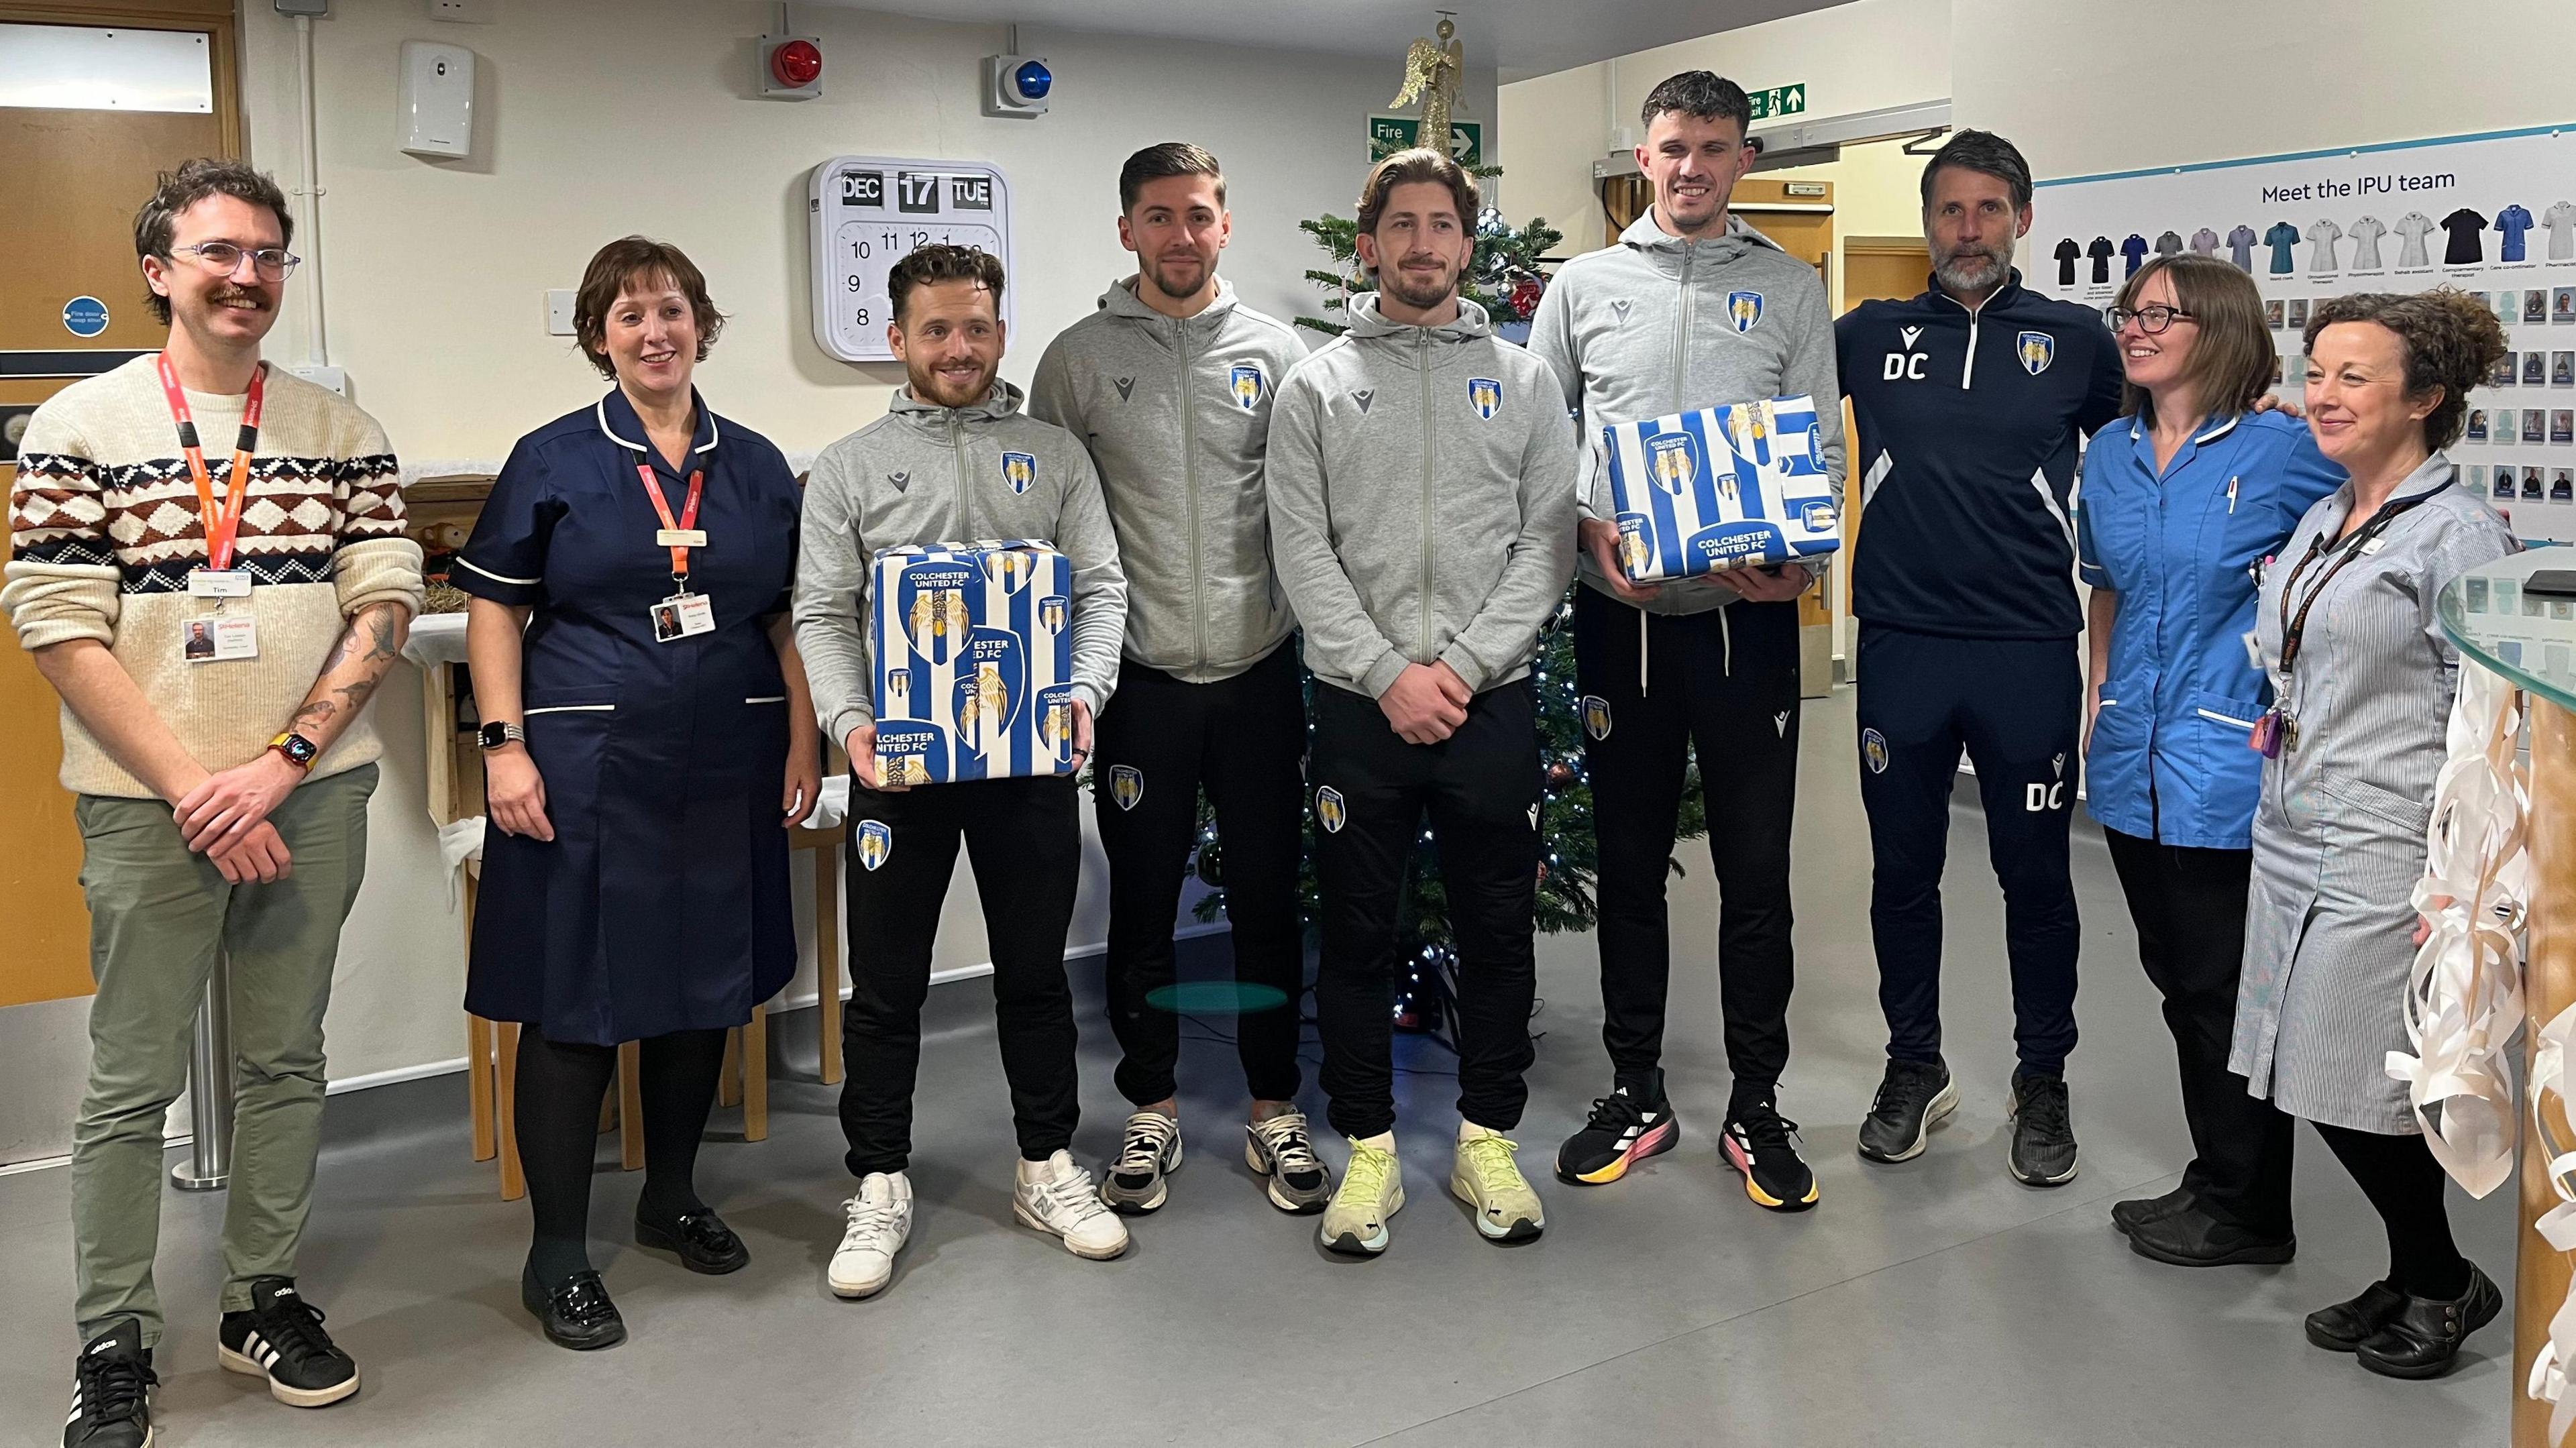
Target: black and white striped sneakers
{"type": "Point", "coordinates": [111, 1391]}
{"type": "Point", "coordinates": [281, 1339]}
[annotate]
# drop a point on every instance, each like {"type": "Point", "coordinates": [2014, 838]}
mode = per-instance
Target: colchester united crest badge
{"type": "Point", "coordinates": [1744, 309]}
{"type": "Point", "coordinates": [1330, 810]}
{"type": "Point", "coordinates": [1596, 716]}
{"type": "Point", "coordinates": [1051, 612]}
{"type": "Point", "coordinates": [1673, 458]}
{"type": "Point", "coordinates": [1126, 785]}
{"type": "Point", "coordinates": [1485, 395]}
{"type": "Point", "coordinates": [2036, 350]}
{"type": "Point", "coordinates": [876, 841]}
{"type": "Point", "coordinates": [1245, 380]}
{"type": "Point", "coordinates": [1873, 750]}
{"type": "Point", "coordinates": [1020, 470]}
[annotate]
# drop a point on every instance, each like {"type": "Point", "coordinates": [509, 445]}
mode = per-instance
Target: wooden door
{"type": "Point", "coordinates": [91, 168]}
{"type": "Point", "coordinates": [1875, 268]}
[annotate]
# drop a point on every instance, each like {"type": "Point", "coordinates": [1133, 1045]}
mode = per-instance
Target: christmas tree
{"type": "Point", "coordinates": [1502, 275]}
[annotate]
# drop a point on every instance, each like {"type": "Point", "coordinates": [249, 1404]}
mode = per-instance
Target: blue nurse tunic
{"type": "Point", "coordinates": [2168, 760]}
{"type": "Point", "coordinates": [661, 904]}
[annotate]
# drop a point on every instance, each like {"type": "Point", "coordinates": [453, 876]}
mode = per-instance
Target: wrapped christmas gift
{"type": "Point", "coordinates": [1737, 486]}
{"type": "Point", "coordinates": [974, 661]}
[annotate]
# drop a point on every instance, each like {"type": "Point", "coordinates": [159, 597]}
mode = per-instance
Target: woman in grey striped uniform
{"type": "Point", "coordinates": [2362, 681]}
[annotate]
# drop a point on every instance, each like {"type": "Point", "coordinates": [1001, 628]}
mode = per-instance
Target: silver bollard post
{"type": "Point", "coordinates": [210, 1089]}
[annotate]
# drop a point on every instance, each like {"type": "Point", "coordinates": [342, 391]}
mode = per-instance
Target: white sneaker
{"type": "Point", "coordinates": [1063, 1203]}
{"type": "Point", "coordinates": [880, 1221]}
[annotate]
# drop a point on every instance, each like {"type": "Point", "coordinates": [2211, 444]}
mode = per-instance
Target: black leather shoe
{"type": "Point", "coordinates": [2423, 1339]}
{"type": "Point", "coordinates": [2342, 1327]}
{"type": "Point", "coordinates": [2190, 1237]}
{"type": "Point", "coordinates": [703, 1241]}
{"type": "Point", "coordinates": [578, 1314]}
{"type": "Point", "coordinates": [2127, 1215]}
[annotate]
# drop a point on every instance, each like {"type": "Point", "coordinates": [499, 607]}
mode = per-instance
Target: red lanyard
{"type": "Point", "coordinates": [687, 520]}
{"type": "Point", "coordinates": [222, 521]}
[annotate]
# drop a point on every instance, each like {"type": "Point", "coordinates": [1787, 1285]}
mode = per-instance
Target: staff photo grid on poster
{"type": "Point", "coordinates": [2492, 215]}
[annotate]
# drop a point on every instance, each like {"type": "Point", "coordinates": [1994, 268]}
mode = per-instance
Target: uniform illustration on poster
{"type": "Point", "coordinates": [2491, 215]}
{"type": "Point", "coordinates": [865, 212]}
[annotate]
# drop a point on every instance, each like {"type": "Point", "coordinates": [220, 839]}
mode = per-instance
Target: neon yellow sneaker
{"type": "Point", "coordinates": [1372, 1190]}
{"type": "Point", "coordinates": [1488, 1179]}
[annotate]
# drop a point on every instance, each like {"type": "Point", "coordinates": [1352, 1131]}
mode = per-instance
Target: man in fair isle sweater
{"type": "Point", "coordinates": [215, 618]}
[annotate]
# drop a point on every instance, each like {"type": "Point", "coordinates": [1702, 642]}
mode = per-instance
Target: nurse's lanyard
{"type": "Point", "coordinates": [2279, 728]}
{"type": "Point", "coordinates": [678, 534]}
{"type": "Point", "coordinates": [222, 521]}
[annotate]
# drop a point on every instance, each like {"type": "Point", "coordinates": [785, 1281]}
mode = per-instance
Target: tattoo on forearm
{"type": "Point", "coordinates": [318, 712]}
{"type": "Point", "coordinates": [380, 624]}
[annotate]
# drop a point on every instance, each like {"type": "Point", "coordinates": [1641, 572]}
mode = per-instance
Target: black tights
{"type": "Point", "coordinates": [2405, 1183]}
{"type": "Point", "coordinates": [560, 1088]}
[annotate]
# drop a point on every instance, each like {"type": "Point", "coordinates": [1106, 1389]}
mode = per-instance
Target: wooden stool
{"type": "Point", "coordinates": [825, 847]}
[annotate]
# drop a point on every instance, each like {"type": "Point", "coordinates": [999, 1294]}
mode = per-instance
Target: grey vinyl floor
{"type": "Point", "coordinates": [1938, 1302]}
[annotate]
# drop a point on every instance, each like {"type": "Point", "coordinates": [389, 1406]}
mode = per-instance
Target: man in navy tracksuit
{"type": "Point", "coordinates": [1972, 402]}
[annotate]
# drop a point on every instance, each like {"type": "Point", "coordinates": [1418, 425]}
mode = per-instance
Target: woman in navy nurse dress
{"type": "Point", "coordinates": [634, 882]}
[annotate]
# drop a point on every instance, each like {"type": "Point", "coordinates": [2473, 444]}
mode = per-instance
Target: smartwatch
{"type": "Point", "coordinates": [299, 751]}
{"type": "Point", "coordinates": [496, 734]}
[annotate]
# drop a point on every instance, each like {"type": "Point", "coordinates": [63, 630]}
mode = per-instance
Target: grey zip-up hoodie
{"type": "Point", "coordinates": [1421, 500]}
{"type": "Point", "coordinates": [1176, 412]}
{"type": "Point", "coordinates": [927, 475]}
{"type": "Point", "coordinates": [1649, 328]}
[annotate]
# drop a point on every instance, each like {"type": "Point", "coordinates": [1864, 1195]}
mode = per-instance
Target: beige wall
{"type": "Point", "coordinates": [2261, 77]}
{"type": "Point", "coordinates": [1864, 56]}
{"type": "Point", "coordinates": [601, 117]}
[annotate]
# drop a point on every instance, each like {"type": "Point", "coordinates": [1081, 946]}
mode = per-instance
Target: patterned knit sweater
{"type": "Point", "coordinates": [104, 530]}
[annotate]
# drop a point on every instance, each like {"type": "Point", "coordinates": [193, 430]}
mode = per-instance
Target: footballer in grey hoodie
{"type": "Point", "coordinates": [1176, 412]}
{"type": "Point", "coordinates": [1661, 324]}
{"type": "Point", "coordinates": [1421, 500]}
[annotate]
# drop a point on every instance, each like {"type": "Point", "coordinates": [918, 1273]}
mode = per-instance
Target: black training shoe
{"type": "Point", "coordinates": [578, 1314]}
{"type": "Point", "coordinates": [1758, 1143]}
{"type": "Point", "coordinates": [2422, 1339]}
{"type": "Point", "coordinates": [2126, 1216]}
{"type": "Point", "coordinates": [1626, 1127]}
{"type": "Point", "coordinates": [2194, 1238]}
{"type": "Point", "coordinates": [2043, 1131]}
{"type": "Point", "coordinates": [701, 1238]}
{"type": "Point", "coordinates": [2347, 1325]}
{"type": "Point", "coordinates": [112, 1386]}
{"type": "Point", "coordinates": [281, 1339]}
{"type": "Point", "coordinates": [1913, 1097]}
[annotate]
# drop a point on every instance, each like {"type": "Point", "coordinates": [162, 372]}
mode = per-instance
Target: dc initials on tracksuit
{"type": "Point", "coordinates": [1970, 422]}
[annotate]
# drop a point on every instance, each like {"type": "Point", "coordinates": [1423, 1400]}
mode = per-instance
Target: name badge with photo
{"type": "Point", "coordinates": [683, 615]}
{"type": "Point", "coordinates": [218, 638]}
{"type": "Point", "coordinates": [219, 583]}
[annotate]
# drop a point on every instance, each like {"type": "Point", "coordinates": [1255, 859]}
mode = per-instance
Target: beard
{"type": "Point", "coordinates": [932, 386]}
{"type": "Point", "coordinates": [1179, 279]}
{"type": "Point", "coordinates": [1420, 295]}
{"type": "Point", "coordinates": [1973, 268]}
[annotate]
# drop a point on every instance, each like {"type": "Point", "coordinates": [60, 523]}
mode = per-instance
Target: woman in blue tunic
{"type": "Point", "coordinates": [647, 744]}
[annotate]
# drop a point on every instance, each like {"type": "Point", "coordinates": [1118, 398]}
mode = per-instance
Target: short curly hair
{"type": "Point", "coordinates": [939, 261]}
{"type": "Point", "coordinates": [2448, 338]}
{"type": "Point", "coordinates": [643, 262]}
{"type": "Point", "coordinates": [156, 225]}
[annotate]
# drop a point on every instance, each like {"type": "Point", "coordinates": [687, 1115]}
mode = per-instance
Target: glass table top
{"type": "Point", "coordinates": [2527, 637]}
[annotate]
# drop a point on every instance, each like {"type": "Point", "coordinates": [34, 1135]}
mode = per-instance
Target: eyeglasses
{"type": "Point", "coordinates": [223, 259]}
{"type": "Point", "coordinates": [2151, 319]}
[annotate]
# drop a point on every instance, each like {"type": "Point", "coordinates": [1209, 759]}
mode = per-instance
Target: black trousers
{"type": "Point", "coordinates": [1372, 790]}
{"type": "Point", "coordinates": [2189, 906]}
{"type": "Point", "coordinates": [1159, 742]}
{"type": "Point", "coordinates": [2016, 705]}
{"type": "Point", "coordinates": [1024, 838]}
{"type": "Point", "coordinates": [1726, 683]}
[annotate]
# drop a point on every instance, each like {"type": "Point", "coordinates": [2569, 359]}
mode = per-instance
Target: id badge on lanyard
{"type": "Point", "coordinates": [220, 636]}
{"type": "Point", "coordinates": [683, 614]}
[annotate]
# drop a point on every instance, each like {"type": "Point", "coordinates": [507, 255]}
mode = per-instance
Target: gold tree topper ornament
{"type": "Point", "coordinates": [1433, 70]}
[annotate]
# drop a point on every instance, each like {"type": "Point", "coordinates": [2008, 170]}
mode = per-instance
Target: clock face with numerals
{"type": "Point", "coordinates": [867, 211]}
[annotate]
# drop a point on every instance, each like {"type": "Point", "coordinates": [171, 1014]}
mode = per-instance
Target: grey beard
{"type": "Point", "coordinates": [1974, 273]}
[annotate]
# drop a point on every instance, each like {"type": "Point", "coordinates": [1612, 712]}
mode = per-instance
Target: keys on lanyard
{"type": "Point", "coordinates": [216, 637]}
{"type": "Point", "coordinates": [683, 614]}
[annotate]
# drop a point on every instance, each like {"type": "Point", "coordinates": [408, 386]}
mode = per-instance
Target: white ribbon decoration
{"type": "Point", "coordinates": [2464, 997]}
{"type": "Point", "coordinates": [2557, 1226]}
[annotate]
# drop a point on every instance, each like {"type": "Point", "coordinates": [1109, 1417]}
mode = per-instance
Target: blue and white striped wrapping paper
{"type": "Point", "coordinates": [1723, 487]}
{"type": "Point", "coordinates": [974, 661]}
